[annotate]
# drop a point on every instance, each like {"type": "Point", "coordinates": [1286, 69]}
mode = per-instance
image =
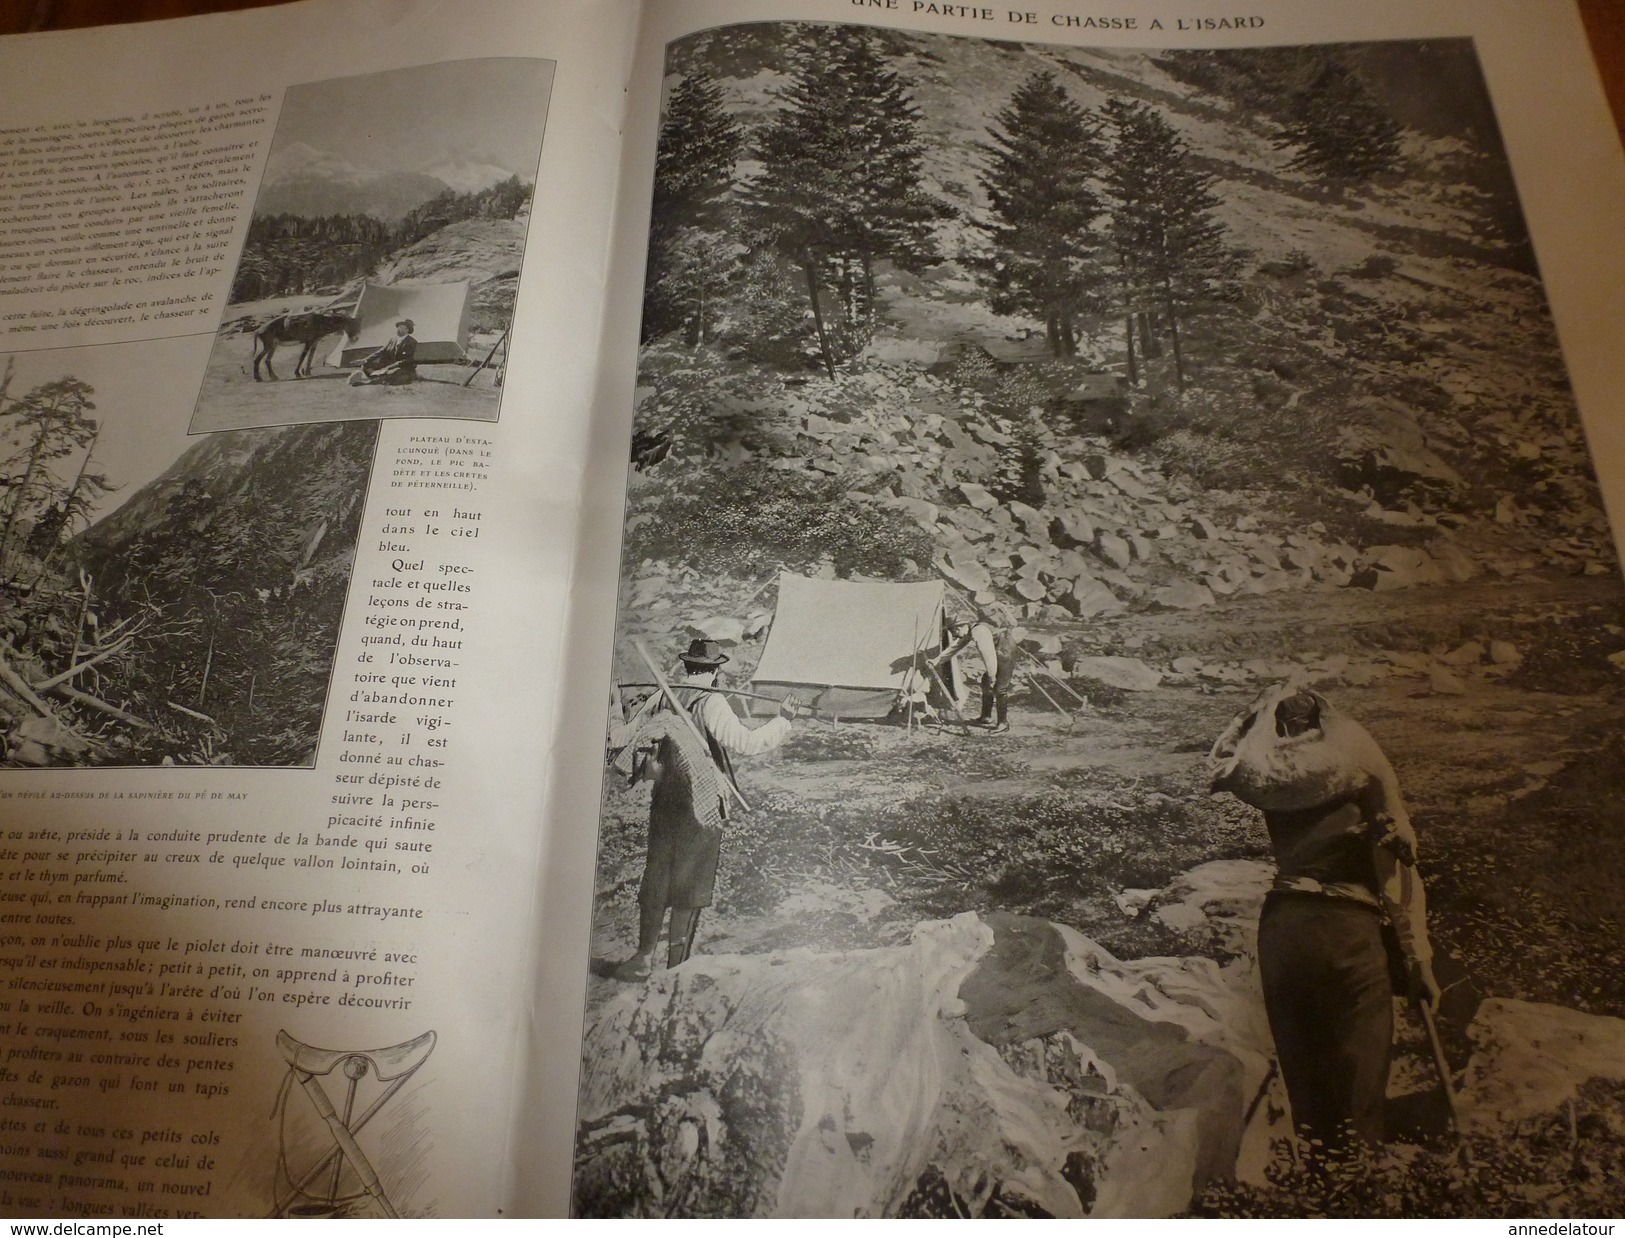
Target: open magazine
{"type": "Point", "coordinates": [811, 609]}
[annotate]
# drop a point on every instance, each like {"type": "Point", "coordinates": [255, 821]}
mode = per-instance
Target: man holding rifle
{"type": "Point", "coordinates": [689, 760]}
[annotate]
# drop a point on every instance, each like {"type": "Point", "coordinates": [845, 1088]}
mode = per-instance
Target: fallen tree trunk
{"type": "Point", "coordinates": [96, 703]}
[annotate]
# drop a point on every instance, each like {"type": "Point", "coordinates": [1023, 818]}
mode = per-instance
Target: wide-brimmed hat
{"type": "Point", "coordinates": [704, 653]}
{"type": "Point", "coordinates": [407, 323]}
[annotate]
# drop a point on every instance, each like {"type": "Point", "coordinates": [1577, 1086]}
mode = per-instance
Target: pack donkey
{"type": "Point", "coordinates": [307, 329]}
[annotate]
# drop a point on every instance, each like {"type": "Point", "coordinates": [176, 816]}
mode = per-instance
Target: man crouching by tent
{"type": "Point", "coordinates": [393, 365]}
{"type": "Point", "coordinates": [689, 803]}
{"type": "Point", "coordinates": [995, 641]}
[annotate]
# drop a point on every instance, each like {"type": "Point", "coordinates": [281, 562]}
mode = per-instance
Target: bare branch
{"type": "Point", "coordinates": [84, 698]}
{"type": "Point", "coordinates": [116, 648]}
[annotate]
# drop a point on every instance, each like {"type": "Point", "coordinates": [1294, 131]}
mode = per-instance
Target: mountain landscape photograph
{"type": "Point", "coordinates": [1207, 374]}
{"type": "Point", "coordinates": [414, 181]}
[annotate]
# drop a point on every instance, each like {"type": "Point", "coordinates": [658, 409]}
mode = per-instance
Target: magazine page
{"type": "Point", "coordinates": [297, 309]}
{"type": "Point", "coordinates": [1155, 462]}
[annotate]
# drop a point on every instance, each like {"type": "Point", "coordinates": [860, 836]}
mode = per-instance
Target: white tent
{"type": "Point", "coordinates": [845, 646]}
{"type": "Point", "coordinates": [441, 320]}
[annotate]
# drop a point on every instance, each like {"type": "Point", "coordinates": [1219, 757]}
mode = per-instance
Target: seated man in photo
{"type": "Point", "coordinates": [394, 364]}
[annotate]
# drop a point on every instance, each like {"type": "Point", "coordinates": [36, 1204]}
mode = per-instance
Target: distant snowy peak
{"type": "Point", "coordinates": [301, 180]}
{"type": "Point", "coordinates": [299, 159]}
{"type": "Point", "coordinates": [467, 171]}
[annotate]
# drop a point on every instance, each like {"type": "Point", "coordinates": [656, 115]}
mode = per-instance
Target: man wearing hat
{"type": "Point", "coordinates": [394, 364]}
{"type": "Point", "coordinates": [995, 638]}
{"type": "Point", "coordinates": [689, 806]}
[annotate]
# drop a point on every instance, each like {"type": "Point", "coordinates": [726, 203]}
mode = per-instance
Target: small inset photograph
{"type": "Point", "coordinates": [165, 600]}
{"type": "Point", "coordinates": [380, 268]}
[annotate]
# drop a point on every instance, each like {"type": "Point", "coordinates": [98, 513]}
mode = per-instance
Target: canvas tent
{"type": "Point", "coordinates": [441, 320]}
{"type": "Point", "coordinates": [845, 646]}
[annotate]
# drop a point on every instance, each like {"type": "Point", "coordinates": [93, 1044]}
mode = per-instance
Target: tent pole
{"type": "Point", "coordinates": [501, 339]}
{"type": "Point", "coordinates": [1058, 681]}
{"type": "Point", "coordinates": [761, 588]}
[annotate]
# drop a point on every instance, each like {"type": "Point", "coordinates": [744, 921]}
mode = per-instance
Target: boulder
{"type": "Point", "coordinates": [966, 572]}
{"type": "Point", "coordinates": [1130, 485]}
{"type": "Point", "coordinates": [1183, 595]}
{"type": "Point", "coordinates": [1530, 1059]}
{"type": "Point", "coordinates": [1115, 550]}
{"type": "Point", "coordinates": [1031, 520]}
{"type": "Point", "coordinates": [1088, 598]}
{"type": "Point", "coordinates": [1469, 654]}
{"type": "Point", "coordinates": [1454, 562]}
{"type": "Point", "coordinates": [1071, 529]}
{"type": "Point", "coordinates": [1129, 674]}
{"type": "Point", "coordinates": [978, 496]}
{"type": "Point", "coordinates": [1001, 1065]}
{"type": "Point", "coordinates": [726, 630]}
{"type": "Point", "coordinates": [1386, 568]}
{"type": "Point", "coordinates": [1389, 453]}
{"type": "Point", "coordinates": [1444, 682]}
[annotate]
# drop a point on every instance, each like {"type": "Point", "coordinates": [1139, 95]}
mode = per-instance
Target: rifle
{"type": "Point", "coordinates": [682, 712]}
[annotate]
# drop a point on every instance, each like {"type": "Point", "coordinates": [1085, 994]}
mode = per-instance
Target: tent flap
{"type": "Point", "coordinates": [441, 315]}
{"type": "Point", "coordinates": [850, 641]}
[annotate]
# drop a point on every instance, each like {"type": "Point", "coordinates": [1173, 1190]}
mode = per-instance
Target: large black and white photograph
{"type": "Point", "coordinates": [382, 260]}
{"type": "Point", "coordinates": [165, 601]}
{"type": "Point", "coordinates": [1118, 670]}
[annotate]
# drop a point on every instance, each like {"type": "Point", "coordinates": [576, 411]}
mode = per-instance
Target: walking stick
{"type": "Point", "coordinates": [1263, 1091]}
{"type": "Point", "coordinates": [665, 689]}
{"type": "Point", "coordinates": [1443, 1067]}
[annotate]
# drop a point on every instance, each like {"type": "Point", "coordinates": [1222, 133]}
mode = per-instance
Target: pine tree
{"type": "Point", "coordinates": [1338, 128]}
{"type": "Point", "coordinates": [689, 251]}
{"type": "Point", "coordinates": [840, 186]}
{"type": "Point", "coordinates": [1038, 182]}
{"type": "Point", "coordinates": [50, 423]}
{"type": "Point", "coordinates": [1171, 251]}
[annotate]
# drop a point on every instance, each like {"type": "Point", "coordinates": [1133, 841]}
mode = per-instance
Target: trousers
{"type": "Point", "coordinates": [1329, 997]}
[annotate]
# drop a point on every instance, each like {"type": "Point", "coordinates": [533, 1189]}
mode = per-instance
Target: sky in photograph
{"type": "Point", "coordinates": [405, 119]}
{"type": "Point", "coordinates": [141, 411]}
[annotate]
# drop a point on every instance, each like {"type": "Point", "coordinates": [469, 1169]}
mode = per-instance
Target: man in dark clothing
{"type": "Point", "coordinates": [689, 805]}
{"type": "Point", "coordinates": [1345, 858]}
{"type": "Point", "coordinates": [394, 364]}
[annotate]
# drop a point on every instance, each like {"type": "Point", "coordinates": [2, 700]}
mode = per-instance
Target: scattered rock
{"type": "Point", "coordinates": [1470, 654]}
{"type": "Point", "coordinates": [1114, 549]}
{"type": "Point", "coordinates": [978, 496]}
{"type": "Point", "coordinates": [1183, 595]}
{"type": "Point", "coordinates": [1129, 674]}
{"type": "Point", "coordinates": [726, 630]}
{"type": "Point", "coordinates": [1445, 682]}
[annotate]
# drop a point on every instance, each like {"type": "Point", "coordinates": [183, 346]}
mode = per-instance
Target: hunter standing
{"type": "Point", "coordinates": [689, 806]}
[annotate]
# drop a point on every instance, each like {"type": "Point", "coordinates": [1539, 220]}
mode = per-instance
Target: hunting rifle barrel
{"type": "Point", "coordinates": [682, 713]}
{"type": "Point", "coordinates": [749, 696]}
